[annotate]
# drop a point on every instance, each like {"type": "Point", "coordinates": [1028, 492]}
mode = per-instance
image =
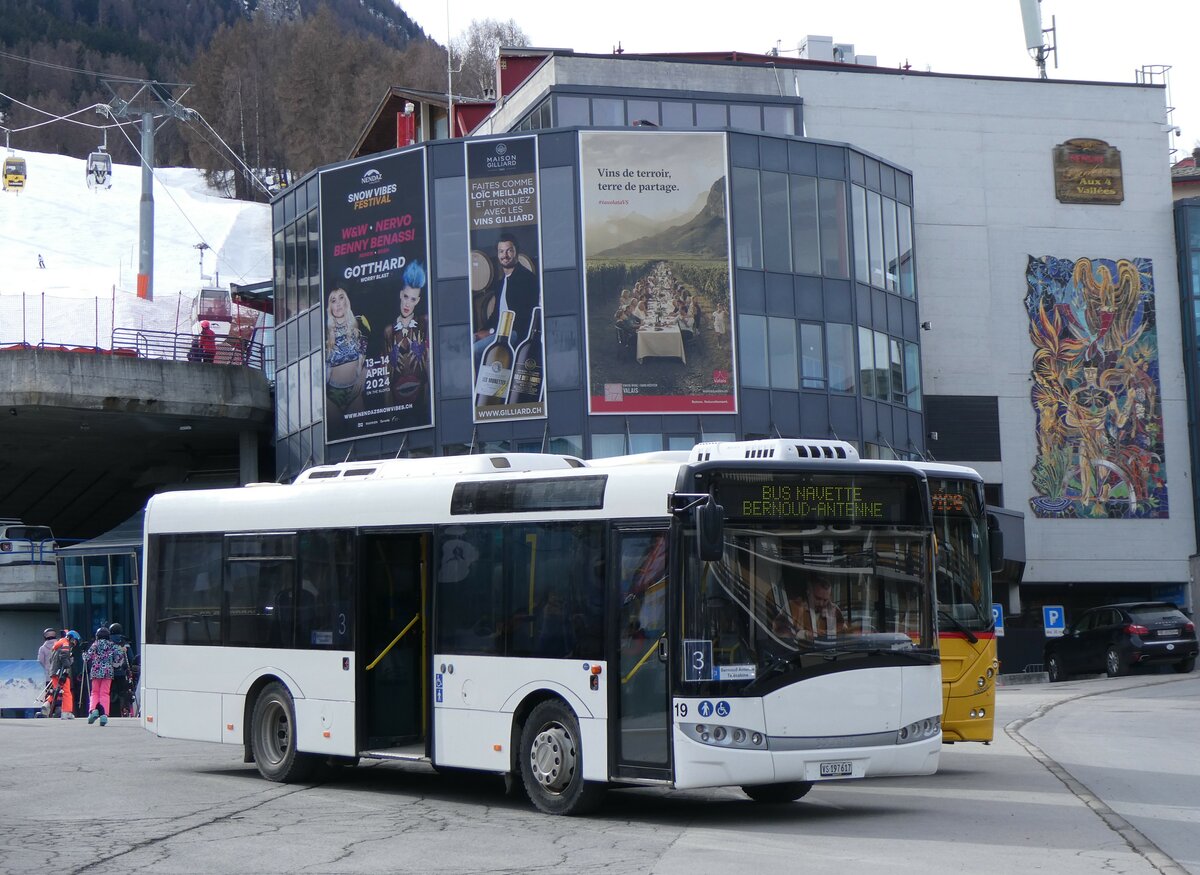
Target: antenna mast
{"type": "Point", "coordinates": [1035, 35]}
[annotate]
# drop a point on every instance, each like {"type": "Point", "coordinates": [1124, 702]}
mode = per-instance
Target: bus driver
{"type": "Point", "coordinates": [812, 613]}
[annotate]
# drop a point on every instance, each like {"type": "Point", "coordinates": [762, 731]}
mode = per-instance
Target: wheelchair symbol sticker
{"type": "Point", "coordinates": [705, 708]}
{"type": "Point", "coordinates": [723, 709]}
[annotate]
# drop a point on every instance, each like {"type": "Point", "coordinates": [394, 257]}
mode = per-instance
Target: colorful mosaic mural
{"type": "Point", "coordinates": [1095, 389]}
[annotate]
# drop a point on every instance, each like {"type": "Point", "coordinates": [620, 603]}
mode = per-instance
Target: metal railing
{"type": "Point", "coordinates": [181, 347]}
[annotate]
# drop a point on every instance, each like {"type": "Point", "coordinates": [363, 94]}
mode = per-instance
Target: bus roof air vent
{"type": "Point", "coordinates": [777, 448]}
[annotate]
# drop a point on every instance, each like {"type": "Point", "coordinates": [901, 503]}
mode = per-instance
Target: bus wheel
{"type": "Point", "coordinates": [273, 737]}
{"type": "Point", "coordinates": [775, 794]}
{"type": "Point", "coordinates": [552, 762]}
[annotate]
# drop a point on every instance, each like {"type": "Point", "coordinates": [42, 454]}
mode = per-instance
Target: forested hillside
{"type": "Point", "coordinates": [285, 90]}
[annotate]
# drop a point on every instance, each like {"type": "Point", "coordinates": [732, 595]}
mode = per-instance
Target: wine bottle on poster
{"type": "Point", "coordinates": [495, 370]}
{"type": "Point", "coordinates": [526, 387]}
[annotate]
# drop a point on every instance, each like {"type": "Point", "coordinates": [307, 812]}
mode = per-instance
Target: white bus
{"type": "Point", "coordinates": [631, 621]}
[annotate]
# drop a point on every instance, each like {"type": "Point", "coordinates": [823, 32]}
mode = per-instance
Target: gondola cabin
{"type": "Point", "coordinates": [99, 170]}
{"type": "Point", "coordinates": [14, 173]}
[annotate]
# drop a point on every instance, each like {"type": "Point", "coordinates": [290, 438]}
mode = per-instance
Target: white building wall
{"type": "Point", "coordinates": [980, 154]}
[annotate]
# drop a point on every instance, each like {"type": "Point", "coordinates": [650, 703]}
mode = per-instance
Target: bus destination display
{"type": "Point", "coordinates": [824, 499]}
{"type": "Point", "coordinates": [952, 497]}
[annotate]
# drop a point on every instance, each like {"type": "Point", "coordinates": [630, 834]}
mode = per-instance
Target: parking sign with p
{"type": "Point", "coordinates": [1054, 618]}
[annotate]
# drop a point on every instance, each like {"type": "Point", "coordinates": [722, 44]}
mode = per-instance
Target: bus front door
{"type": "Point", "coordinates": [642, 702]}
{"type": "Point", "coordinates": [393, 649]}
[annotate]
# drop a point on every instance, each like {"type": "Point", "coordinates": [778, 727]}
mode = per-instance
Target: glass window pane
{"type": "Point", "coordinates": [781, 348]}
{"type": "Point", "coordinates": [812, 356]}
{"type": "Point", "coordinates": [316, 366]}
{"type": "Point", "coordinates": [558, 217]}
{"type": "Point", "coordinates": [862, 266]}
{"type": "Point", "coordinates": [314, 258]}
{"type": "Point", "coordinates": [645, 443]}
{"type": "Point", "coordinates": [677, 115]}
{"type": "Point", "coordinates": [841, 356]}
{"type": "Point", "coordinates": [747, 228]}
{"type": "Point", "coordinates": [717, 436]}
{"type": "Point", "coordinates": [680, 442]}
{"type": "Point", "coordinates": [779, 120]}
{"type": "Point", "coordinates": [912, 375]}
{"type": "Point", "coordinates": [325, 607]}
{"type": "Point", "coordinates": [304, 393]}
{"type": "Point", "coordinates": [897, 367]}
{"type": "Point", "coordinates": [301, 264]}
{"type": "Point", "coordinates": [293, 390]}
{"type": "Point", "coordinates": [875, 237]}
{"type": "Point", "coordinates": [882, 378]}
{"type": "Point", "coordinates": [567, 445]}
{"type": "Point", "coordinates": [748, 117]}
{"type": "Point", "coordinates": [643, 110]}
{"type": "Point", "coordinates": [571, 111]}
{"type": "Point", "coordinates": [890, 262]}
{"type": "Point", "coordinates": [710, 115]}
{"type": "Point", "coordinates": [835, 258]}
{"type": "Point", "coordinates": [608, 111]}
{"type": "Point", "coordinates": [752, 350]}
{"type": "Point", "coordinates": [805, 236]}
{"type": "Point", "coordinates": [280, 276]}
{"type": "Point", "coordinates": [556, 591]}
{"type": "Point", "coordinates": [450, 226]}
{"type": "Point", "coordinates": [563, 346]}
{"type": "Point", "coordinates": [289, 304]}
{"type": "Point", "coordinates": [905, 257]}
{"type": "Point", "coordinates": [262, 603]}
{"type": "Point", "coordinates": [777, 248]}
{"type": "Point", "coordinates": [642, 596]}
{"type": "Point", "coordinates": [605, 445]}
{"type": "Point", "coordinates": [470, 590]}
{"type": "Point", "coordinates": [866, 361]}
{"type": "Point", "coordinates": [185, 608]}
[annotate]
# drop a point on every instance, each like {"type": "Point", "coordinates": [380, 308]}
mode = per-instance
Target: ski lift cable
{"type": "Point", "coordinates": [54, 117]}
{"type": "Point", "coordinates": [52, 66]}
{"type": "Point", "coordinates": [196, 114]}
{"type": "Point", "coordinates": [182, 212]}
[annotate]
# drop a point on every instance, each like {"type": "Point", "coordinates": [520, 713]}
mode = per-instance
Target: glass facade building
{"type": "Point", "coordinates": [823, 325]}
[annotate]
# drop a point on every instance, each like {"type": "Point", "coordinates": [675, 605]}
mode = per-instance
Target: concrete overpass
{"type": "Point", "coordinates": [87, 438]}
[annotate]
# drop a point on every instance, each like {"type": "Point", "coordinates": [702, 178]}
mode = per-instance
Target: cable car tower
{"type": "Point", "coordinates": [99, 163]}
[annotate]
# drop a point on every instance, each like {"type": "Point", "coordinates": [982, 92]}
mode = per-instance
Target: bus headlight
{"type": "Point", "coordinates": [919, 730]}
{"type": "Point", "coordinates": [724, 736]}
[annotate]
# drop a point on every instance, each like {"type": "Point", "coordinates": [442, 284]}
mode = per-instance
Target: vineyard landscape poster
{"type": "Point", "coordinates": [657, 287]}
{"type": "Point", "coordinates": [375, 297]}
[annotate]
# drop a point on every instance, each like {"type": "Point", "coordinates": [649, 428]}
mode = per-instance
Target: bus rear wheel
{"type": "Point", "coordinates": [775, 794]}
{"type": "Point", "coordinates": [273, 737]}
{"type": "Point", "coordinates": [552, 762]}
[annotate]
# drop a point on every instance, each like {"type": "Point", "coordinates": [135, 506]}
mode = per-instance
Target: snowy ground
{"type": "Point", "coordinates": [88, 240]}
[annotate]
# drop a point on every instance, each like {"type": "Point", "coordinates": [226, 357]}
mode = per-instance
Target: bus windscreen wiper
{"type": "Point", "coordinates": [957, 624]}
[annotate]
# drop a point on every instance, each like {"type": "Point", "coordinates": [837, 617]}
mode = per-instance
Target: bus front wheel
{"type": "Point", "coordinates": [552, 762]}
{"type": "Point", "coordinates": [775, 794]}
{"type": "Point", "coordinates": [273, 737]}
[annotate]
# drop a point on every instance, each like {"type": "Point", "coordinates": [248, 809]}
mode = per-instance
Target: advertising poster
{"type": "Point", "coordinates": [657, 293]}
{"type": "Point", "coordinates": [375, 297]}
{"type": "Point", "coordinates": [506, 279]}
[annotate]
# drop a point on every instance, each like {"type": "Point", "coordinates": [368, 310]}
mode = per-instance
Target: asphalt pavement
{"type": "Point", "coordinates": [1095, 775]}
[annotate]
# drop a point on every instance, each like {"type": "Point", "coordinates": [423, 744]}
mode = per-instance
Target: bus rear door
{"type": "Point", "coordinates": [392, 605]}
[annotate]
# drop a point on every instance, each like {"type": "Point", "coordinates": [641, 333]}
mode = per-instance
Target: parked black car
{"type": "Point", "coordinates": [1113, 638]}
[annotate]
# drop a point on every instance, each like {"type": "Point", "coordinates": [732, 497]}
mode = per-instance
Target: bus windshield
{"type": "Point", "coordinates": [964, 577]}
{"type": "Point", "coordinates": [781, 592]}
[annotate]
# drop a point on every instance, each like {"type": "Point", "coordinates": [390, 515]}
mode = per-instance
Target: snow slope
{"type": "Point", "coordinates": [88, 240]}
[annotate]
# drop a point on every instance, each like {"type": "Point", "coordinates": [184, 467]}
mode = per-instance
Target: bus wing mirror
{"type": "Point", "coordinates": [995, 544]}
{"type": "Point", "coordinates": [710, 530]}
